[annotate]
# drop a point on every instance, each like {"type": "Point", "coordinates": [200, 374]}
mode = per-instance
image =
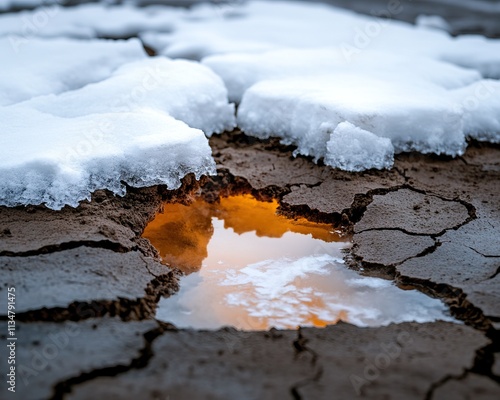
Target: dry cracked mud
{"type": "Point", "coordinates": [87, 286]}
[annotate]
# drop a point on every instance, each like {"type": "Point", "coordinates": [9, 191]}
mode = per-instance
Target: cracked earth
{"type": "Point", "coordinates": [87, 287]}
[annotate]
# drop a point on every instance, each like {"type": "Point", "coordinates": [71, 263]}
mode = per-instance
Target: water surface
{"type": "Point", "coordinates": [250, 268]}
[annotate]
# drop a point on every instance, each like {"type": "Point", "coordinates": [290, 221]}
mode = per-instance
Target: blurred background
{"type": "Point", "coordinates": [456, 16]}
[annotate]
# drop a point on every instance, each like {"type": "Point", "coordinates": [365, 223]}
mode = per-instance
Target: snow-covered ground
{"type": "Point", "coordinates": [7, 4]}
{"type": "Point", "coordinates": [88, 123]}
{"type": "Point", "coordinates": [416, 102]}
{"type": "Point", "coordinates": [255, 26]}
{"type": "Point", "coordinates": [87, 21]}
{"type": "Point", "coordinates": [261, 26]}
{"type": "Point", "coordinates": [420, 88]}
{"type": "Point", "coordinates": [349, 89]}
{"type": "Point", "coordinates": [55, 66]}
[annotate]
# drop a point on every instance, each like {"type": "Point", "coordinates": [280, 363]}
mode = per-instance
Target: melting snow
{"type": "Point", "coordinates": [349, 89]}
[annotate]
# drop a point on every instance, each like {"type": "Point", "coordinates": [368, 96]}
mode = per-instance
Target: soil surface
{"type": "Point", "coordinates": [87, 286]}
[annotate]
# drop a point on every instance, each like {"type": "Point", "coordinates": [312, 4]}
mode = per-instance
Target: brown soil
{"type": "Point", "coordinates": [87, 286]}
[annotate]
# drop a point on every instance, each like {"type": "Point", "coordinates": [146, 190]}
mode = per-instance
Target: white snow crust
{"type": "Point", "coordinates": [106, 126]}
{"type": "Point", "coordinates": [302, 96]}
{"type": "Point", "coordinates": [349, 89]}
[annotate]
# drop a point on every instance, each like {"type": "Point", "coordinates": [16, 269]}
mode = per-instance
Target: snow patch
{"type": "Point", "coordinates": [336, 84]}
{"type": "Point", "coordinates": [253, 26]}
{"type": "Point", "coordinates": [104, 129]}
{"type": "Point", "coordinates": [303, 95]}
{"type": "Point", "coordinates": [258, 26]}
{"type": "Point", "coordinates": [58, 65]}
{"type": "Point", "coordinates": [432, 22]}
{"type": "Point", "coordinates": [351, 148]}
{"type": "Point", "coordinates": [87, 21]}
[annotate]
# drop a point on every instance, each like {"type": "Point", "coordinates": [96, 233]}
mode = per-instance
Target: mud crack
{"type": "Point", "coordinates": [99, 244]}
{"type": "Point", "coordinates": [300, 346]}
{"type": "Point", "coordinates": [145, 355]}
{"type": "Point", "coordinates": [362, 201]}
{"type": "Point", "coordinates": [126, 309]}
{"type": "Point", "coordinates": [453, 297]}
{"type": "Point", "coordinates": [436, 385]}
{"type": "Point", "coordinates": [483, 365]}
{"type": "Point", "coordinates": [495, 274]}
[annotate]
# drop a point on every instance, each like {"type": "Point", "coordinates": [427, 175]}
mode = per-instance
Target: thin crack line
{"type": "Point", "coordinates": [434, 386]}
{"type": "Point", "coordinates": [431, 235]}
{"type": "Point", "coordinates": [300, 345]}
{"type": "Point", "coordinates": [139, 362]}
{"type": "Point", "coordinates": [49, 249]}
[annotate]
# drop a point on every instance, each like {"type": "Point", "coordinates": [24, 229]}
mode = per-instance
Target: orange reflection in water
{"type": "Point", "coordinates": [246, 214]}
{"type": "Point", "coordinates": [249, 268]}
{"type": "Point", "coordinates": [181, 233]}
{"type": "Point", "coordinates": [247, 231]}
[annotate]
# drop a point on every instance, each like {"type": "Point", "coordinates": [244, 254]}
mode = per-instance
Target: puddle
{"type": "Point", "coordinates": [249, 268]}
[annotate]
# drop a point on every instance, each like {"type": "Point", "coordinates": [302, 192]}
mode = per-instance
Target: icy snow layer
{"type": "Point", "coordinates": [131, 126]}
{"type": "Point", "coordinates": [54, 66]}
{"type": "Point", "coordinates": [240, 71]}
{"type": "Point", "coordinates": [417, 98]}
{"type": "Point", "coordinates": [254, 26]}
{"type": "Point", "coordinates": [260, 26]}
{"type": "Point", "coordinates": [350, 147]}
{"type": "Point", "coordinates": [303, 95]}
{"type": "Point", "coordinates": [185, 90]}
{"type": "Point", "coordinates": [301, 69]}
{"type": "Point", "coordinates": [47, 159]}
{"type": "Point", "coordinates": [88, 21]}
{"type": "Point", "coordinates": [8, 4]}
